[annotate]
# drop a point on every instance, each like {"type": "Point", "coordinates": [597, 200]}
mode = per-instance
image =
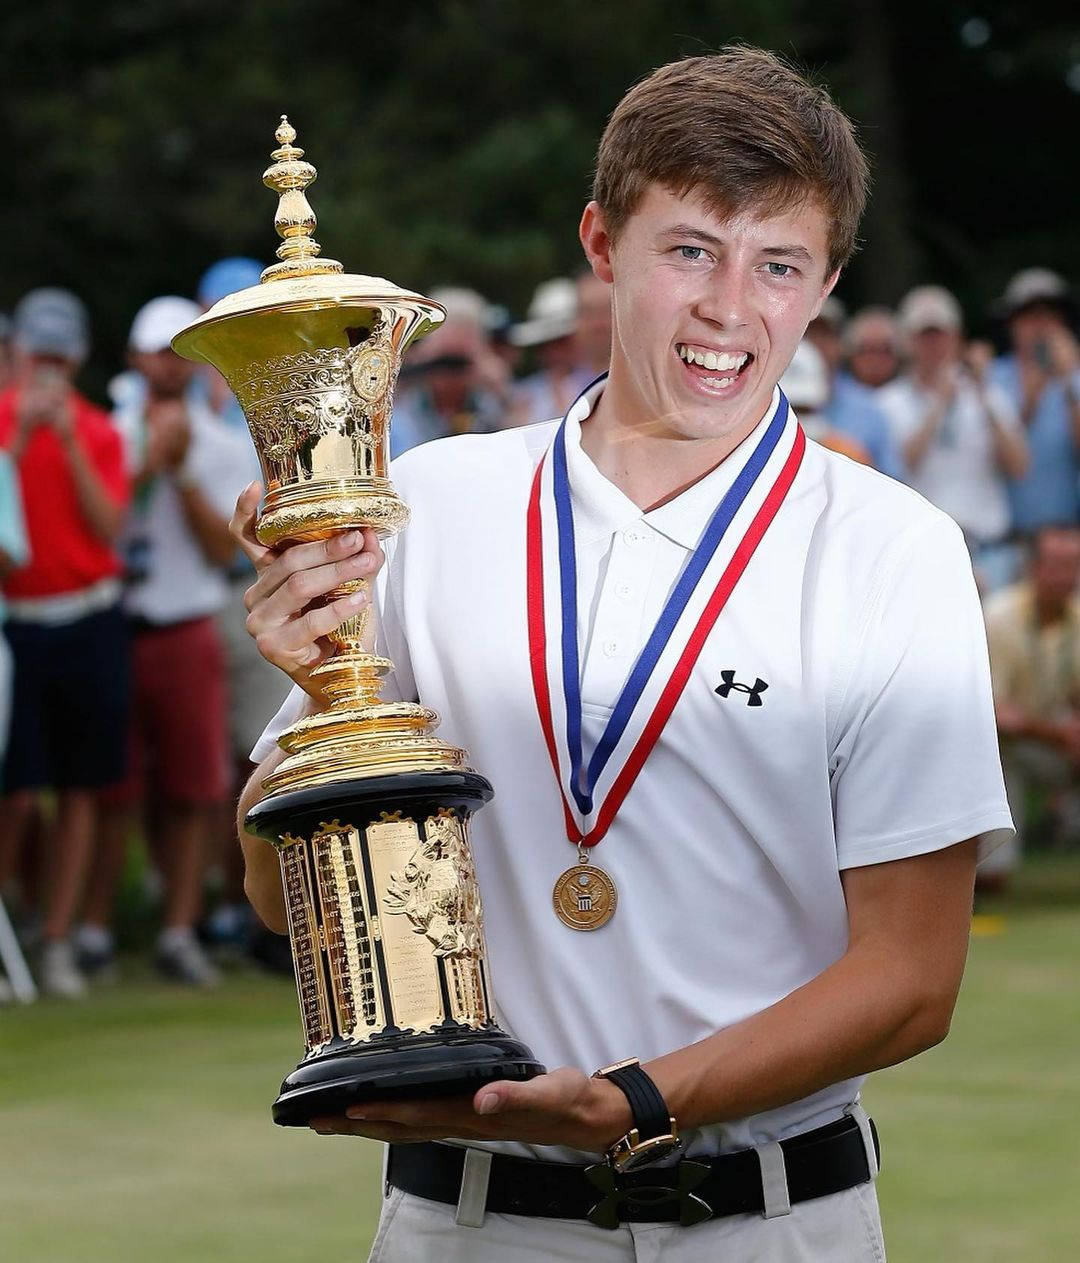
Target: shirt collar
{"type": "Point", "coordinates": [601, 509]}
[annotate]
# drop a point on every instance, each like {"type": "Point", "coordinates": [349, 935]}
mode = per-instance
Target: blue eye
{"type": "Point", "coordinates": [691, 253]}
{"type": "Point", "coordinates": [780, 269]}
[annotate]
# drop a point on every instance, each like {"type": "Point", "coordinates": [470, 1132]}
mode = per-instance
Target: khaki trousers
{"type": "Point", "coordinates": [841, 1228]}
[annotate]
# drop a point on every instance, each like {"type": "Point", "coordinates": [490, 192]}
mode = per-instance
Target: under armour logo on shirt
{"type": "Point", "coordinates": [731, 684]}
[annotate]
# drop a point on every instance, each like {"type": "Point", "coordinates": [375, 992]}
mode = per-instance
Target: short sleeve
{"type": "Point", "coordinates": [915, 765]}
{"type": "Point", "coordinates": [390, 642]}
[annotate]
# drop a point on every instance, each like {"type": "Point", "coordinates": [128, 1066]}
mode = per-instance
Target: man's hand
{"type": "Point", "coordinates": [287, 609]}
{"type": "Point", "coordinates": [564, 1107]}
{"type": "Point", "coordinates": [1064, 353]}
{"type": "Point", "coordinates": [170, 433]}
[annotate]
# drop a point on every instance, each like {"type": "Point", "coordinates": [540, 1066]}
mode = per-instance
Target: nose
{"type": "Point", "coordinates": [725, 297]}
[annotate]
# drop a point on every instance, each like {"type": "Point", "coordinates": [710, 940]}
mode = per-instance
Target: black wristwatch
{"type": "Point", "coordinates": [654, 1135]}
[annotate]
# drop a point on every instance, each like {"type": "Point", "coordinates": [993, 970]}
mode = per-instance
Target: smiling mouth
{"type": "Point", "coordinates": [715, 368]}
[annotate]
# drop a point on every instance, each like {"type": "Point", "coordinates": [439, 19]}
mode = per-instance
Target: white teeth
{"type": "Point", "coordinates": [712, 360]}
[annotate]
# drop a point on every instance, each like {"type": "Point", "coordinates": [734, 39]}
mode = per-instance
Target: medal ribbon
{"type": "Point", "coordinates": [661, 634]}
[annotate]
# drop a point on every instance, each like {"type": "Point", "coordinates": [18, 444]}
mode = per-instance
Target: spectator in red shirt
{"type": "Point", "coordinates": [64, 625]}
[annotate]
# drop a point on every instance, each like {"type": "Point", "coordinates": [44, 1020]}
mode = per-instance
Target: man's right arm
{"type": "Point", "coordinates": [262, 871]}
{"type": "Point", "coordinates": [290, 615]}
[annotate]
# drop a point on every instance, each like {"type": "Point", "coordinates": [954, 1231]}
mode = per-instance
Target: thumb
{"type": "Point", "coordinates": [493, 1098]}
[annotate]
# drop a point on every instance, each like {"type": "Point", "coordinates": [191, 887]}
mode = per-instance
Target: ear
{"type": "Point", "coordinates": [595, 241]}
{"type": "Point", "coordinates": [826, 290]}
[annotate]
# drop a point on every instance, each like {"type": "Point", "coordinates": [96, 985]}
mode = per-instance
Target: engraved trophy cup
{"type": "Point", "coordinates": [369, 812]}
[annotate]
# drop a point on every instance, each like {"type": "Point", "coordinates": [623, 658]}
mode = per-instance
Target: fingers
{"type": "Point", "coordinates": [280, 565]}
{"type": "Point", "coordinates": [300, 588]}
{"type": "Point", "coordinates": [293, 642]}
{"type": "Point", "coordinates": [242, 524]}
{"type": "Point", "coordinates": [288, 612]}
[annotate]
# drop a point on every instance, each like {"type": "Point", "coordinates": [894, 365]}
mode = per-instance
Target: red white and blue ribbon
{"type": "Point", "coordinates": [662, 669]}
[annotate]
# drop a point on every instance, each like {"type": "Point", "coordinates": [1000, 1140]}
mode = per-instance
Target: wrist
{"type": "Point", "coordinates": [183, 474]}
{"type": "Point", "coordinates": [608, 1114]}
{"type": "Point", "coordinates": [653, 1134]}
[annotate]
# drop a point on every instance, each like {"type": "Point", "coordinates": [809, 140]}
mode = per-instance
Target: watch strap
{"type": "Point", "coordinates": [647, 1106]}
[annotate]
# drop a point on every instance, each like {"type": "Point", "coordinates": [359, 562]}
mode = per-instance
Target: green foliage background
{"type": "Point", "coordinates": [455, 140]}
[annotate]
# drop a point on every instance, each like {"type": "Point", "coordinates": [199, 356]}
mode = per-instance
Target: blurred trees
{"type": "Point", "coordinates": [455, 140]}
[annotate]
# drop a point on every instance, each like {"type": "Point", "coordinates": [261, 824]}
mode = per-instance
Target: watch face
{"type": "Point", "coordinates": [648, 1152]}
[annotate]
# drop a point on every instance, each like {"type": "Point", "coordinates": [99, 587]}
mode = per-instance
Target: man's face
{"type": "Point", "coordinates": [31, 367]}
{"type": "Point", "coordinates": [873, 358]}
{"type": "Point", "coordinates": [1057, 564]}
{"type": "Point", "coordinates": [1035, 325]}
{"type": "Point", "coordinates": [708, 311]}
{"type": "Point", "coordinates": [933, 349]}
{"type": "Point", "coordinates": [455, 347]}
{"type": "Point", "coordinates": [167, 374]}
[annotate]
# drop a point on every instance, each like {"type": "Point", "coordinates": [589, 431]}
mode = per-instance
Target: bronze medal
{"type": "Point", "coordinates": [584, 897]}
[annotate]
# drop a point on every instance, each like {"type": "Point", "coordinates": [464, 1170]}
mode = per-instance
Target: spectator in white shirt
{"type": "Point", "coordinates": [958, 436]}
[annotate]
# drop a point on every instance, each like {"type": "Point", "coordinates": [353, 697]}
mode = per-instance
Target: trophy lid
{"type": "Point", "coordinates": [301, 281]}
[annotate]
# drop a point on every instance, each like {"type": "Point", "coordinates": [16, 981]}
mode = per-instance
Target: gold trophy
{"type": "Point", "coordinates": [369, 812]}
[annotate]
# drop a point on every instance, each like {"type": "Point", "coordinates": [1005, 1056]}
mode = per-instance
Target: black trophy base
{"type": "Point", "coordinates": [450, 1062]}
{"type": "Point", "coordinates": [395, 1065]}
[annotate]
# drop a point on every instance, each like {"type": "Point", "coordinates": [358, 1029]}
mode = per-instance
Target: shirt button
{"type": "Point", "coordinates": [632, 536]}
{"type": "Point", "coordinates": [624, 590]}
{"type": "Point", "coordinates": [611, 648]}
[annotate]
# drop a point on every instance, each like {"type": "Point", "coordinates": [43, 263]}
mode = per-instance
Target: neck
{"type": "Point", "coordinates": [643, 457]}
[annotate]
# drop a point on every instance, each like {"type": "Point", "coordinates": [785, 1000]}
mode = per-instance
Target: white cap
{"type": "Point", "coordinates": [552, 314]}
{"type": "Point", "coordinates": [1034, 285]}
{"type": "Point", "coordinates": [930, 307]}
{"type": "Point", "coordinates": [806, 379]}
{"type": "Point", "coordinates": [159, 321]}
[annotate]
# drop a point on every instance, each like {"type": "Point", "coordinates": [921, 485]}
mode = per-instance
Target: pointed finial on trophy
{"type": "Point", "coordinates": [295, 221]}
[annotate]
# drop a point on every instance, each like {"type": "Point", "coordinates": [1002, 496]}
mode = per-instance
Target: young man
{"type": "Point", "coordinates": [776, 678]}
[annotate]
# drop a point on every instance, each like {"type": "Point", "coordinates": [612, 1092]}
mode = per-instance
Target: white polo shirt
{"type": "Point", "coordinates": [875, 739]}
{"type": "Point", "coordinates": [176, 581]}
{"type": "Point", "coordinates": [959, 472]}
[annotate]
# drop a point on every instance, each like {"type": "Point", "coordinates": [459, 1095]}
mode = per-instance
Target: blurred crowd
{"type": "Point", "coordinates": [131, 694]}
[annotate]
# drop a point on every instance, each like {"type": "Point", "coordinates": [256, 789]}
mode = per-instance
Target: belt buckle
{"type": "Point", "coordinates": [623, 1189]}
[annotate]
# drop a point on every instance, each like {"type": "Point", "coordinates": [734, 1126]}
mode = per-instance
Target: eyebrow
{"type": "Point", "coordinates": [787, 251]}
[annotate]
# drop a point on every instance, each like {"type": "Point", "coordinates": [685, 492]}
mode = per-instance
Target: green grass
{"type": "Point", "coordinates": [136, 1127]}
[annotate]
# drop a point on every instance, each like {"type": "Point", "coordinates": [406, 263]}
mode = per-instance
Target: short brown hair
{"type": "Point", "coordinates": [743, 128]}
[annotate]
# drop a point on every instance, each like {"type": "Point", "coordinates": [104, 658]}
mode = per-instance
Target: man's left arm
{"type": "Point", "coordinates": [889, 997]}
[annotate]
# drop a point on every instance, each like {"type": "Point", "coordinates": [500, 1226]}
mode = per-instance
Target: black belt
{"type": "Point", "coordinates": [826, 1160]}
